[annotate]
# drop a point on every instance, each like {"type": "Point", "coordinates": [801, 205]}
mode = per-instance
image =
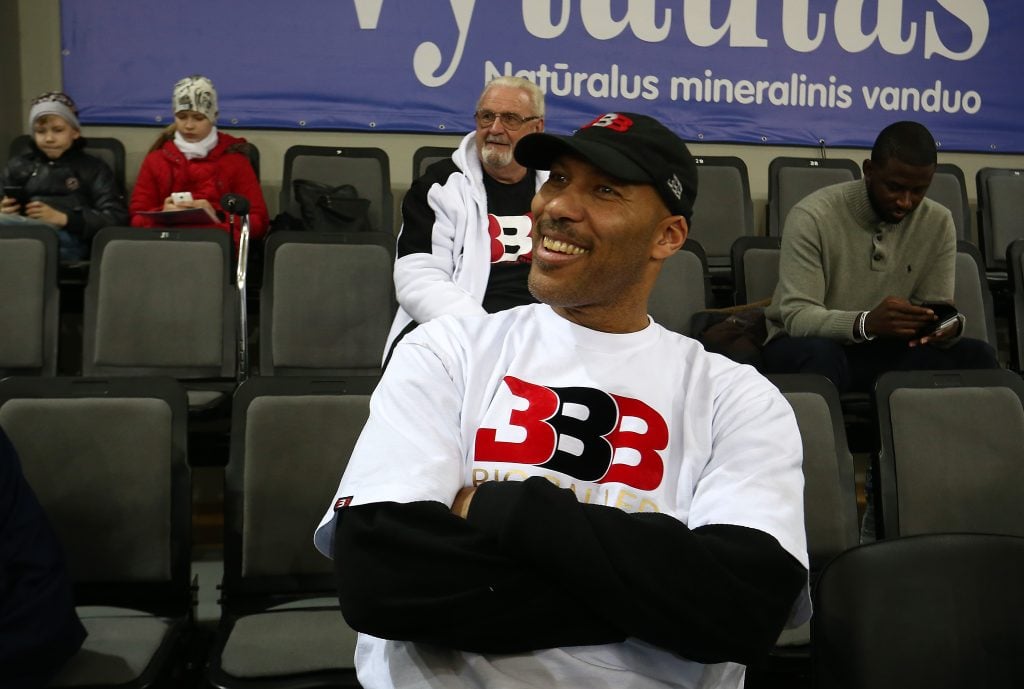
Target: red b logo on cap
{"type": "Point", "coordinates": [613, 121]}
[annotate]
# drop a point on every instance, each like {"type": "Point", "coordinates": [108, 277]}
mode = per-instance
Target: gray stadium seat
{"type": "Point", "coordinates": [1000, 213]}
{"type": "Point", "coordinates": [830, 499]}
{"type": "Point", "coordinates": [326, 304]}
{"type": "Point", "coordinates": [972, 295]}
{"type": "Point", "coordinates": [1015, 266]}
{"type": "Point", "coordinates": [425, 156]}
{"type": "Point", "coordinates": [367, 169]}
{"type": "Point", "coordinates": [791, 179]}
{"type": "Point", "coordinates": [161, 302]}
{"type": "Point", "coordinates": [29, 300]}
{"type": "Point", "coordinates": [723, 210]}
{"type": "Point", "coordinates": [682, 289]}
{"type": "Point", "coordinates": [951, 452]}
{"type": "Point", "coordinates": [949, 189]}
{"type": "Point", "coordinates": [281, 626]}
{"type": "Point", "coordinates": [107, 460]}
{"type": "Point", "coordinates": [755, 267]}
{"type": "Point", "coordinates": [939, 611]}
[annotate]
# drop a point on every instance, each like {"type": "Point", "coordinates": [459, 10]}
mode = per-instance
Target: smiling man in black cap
{"type": "Point", "coordinates": [566, 493]}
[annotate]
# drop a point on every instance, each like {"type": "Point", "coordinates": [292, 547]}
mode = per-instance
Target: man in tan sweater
{"type": "Point", "coordinates": [858, 261]}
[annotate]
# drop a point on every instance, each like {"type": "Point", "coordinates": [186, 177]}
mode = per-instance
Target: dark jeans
{"type": "Point", "coordinates": [854, 367]}
{"type": "Point", "coordinates": [72, 247]}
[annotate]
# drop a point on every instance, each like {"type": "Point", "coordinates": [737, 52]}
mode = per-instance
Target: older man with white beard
{"type": "Point", "coordinates": [464, 246]}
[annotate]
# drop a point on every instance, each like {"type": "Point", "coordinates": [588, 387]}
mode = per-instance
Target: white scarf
{"type": "Point", "coordinates": [196, 149]}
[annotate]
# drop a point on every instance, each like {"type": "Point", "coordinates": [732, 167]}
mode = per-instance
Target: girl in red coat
{"type": "Point", "coordinates": [192, 156]}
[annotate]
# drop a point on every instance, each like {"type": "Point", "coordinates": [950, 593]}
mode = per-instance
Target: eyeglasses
{"type": "Point", "coordinates": [509, 120]}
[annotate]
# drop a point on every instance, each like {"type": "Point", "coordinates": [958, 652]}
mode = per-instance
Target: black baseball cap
{"type": "Point", "coordinates": [631, 147]}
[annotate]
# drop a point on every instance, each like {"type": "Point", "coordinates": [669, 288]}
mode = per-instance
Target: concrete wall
{"type": "Point", "coordinates": [39, 68]}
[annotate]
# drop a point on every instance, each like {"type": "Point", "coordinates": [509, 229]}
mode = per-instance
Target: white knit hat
{"type": "Point", "coordinates": [196, 93]}
{"type": "Point", "coordinates": [54, 103]}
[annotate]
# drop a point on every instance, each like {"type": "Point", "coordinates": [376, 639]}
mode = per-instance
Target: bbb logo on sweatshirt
{"type": "Point", "coordinates": [585, 433]}
{"type": "Point", "coordinates": [510, 238]}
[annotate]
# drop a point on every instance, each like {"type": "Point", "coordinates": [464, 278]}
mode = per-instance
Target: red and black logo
{"type": "Point", "coordinates": [510, 238]}
{"type": "Point", "coordinates": [613, 121]}
{"type": "Point", "coordinates": [577, 431]}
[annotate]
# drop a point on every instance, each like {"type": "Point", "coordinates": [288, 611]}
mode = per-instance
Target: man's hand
{"type": "Point", "coordinates": [898, 318]}
{"type": "Point", "coordinates": [947, 333]}
{"type": "Point", "coordinates": [460, 506]}
{"type": "Point", "coordinates": [37, 210]}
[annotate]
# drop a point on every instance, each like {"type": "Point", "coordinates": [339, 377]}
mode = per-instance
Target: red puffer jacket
{"type": "Point", "coordinates": [224, 170]}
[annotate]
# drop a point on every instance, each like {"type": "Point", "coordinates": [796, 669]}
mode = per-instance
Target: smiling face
{"type": "Point", "coordinates": [598, 243]}
{"type": "Point", "coordinates": [192, 125]}
{"type": "Point", "coordinates": [896, 188]}
{"type": "Point", "coordinates": [53, 135]}
{"type": "Point", "coordinates": [496, 143]}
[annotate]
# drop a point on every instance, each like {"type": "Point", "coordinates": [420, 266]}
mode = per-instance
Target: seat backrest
{"type": "Point", "coordinates": [253, 154]}
{"type": "Point", "coordinates": [951, 451]}
{"type": "Point", "coordinates": [755, 267]}
{"type": "Point", "coordinates": [830, 498]}
{"type": "Point", "coordinates": [160, 302]}
{"type": "Point", "coordinates": [29, 300]}
{"type": "Point", "coordinates": [290, 441]}
{"type": "Point", "coordinates": [1000, 209]}
{"type": "Point", "coordinates": [326, 303]}
{"type": "Point", "coordinates": [938, 611]}
{"type": "Point", "coordinates": [682, 289]}
{"type": "Point", "coordinates": [367, 169]}
{"type": "Point", "coordinates": [723, 210]}
{"type": "Point", "coordinates": [949, 188]}
{"type": "Point", "coordinates": [107, 459]}
{"type": "Point", "coordinates": [425, 156]}
{"type": "Point", "coordinates": [791, 179]}
{"type": "Point", "coordinates": [1015, 269]}
{"type": "Point", "coordinates": [108, 149]}
{"type": "Point", "coordinates": [972, 295]}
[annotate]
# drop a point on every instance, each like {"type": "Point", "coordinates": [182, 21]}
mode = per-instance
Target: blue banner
{"type": "Point", "coordinates": [773, 72]}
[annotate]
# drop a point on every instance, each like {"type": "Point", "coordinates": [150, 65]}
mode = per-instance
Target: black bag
{"type": "Point", "coordinates": [331, 209]}
{"type": "Point", "coordinates": [738, 332]}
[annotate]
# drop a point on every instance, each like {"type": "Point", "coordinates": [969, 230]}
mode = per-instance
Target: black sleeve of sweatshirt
{"type": "Point", "coordinates": [712, 594]}
{"type": "Point", "coordinates": [534, 568]}
{"type": "Point", "coordinates": [416, 572]}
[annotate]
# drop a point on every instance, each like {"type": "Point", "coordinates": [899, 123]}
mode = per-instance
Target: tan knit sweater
{"type": "Point", "coordinates": [839, 258]}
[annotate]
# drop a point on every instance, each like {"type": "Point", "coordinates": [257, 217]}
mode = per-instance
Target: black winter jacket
{"type": "Point", "coordinates": [77, 184]}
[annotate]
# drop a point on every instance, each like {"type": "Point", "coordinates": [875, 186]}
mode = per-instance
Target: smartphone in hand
{"type": "Point", "coordinates": [181, 197]}
{"type": "Point", "coordinates": [18, 194]}
{"type": "Point", "coordinates": [947, 315]}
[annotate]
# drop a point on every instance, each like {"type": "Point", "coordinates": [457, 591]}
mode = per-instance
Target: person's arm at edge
{"type": "Point", "coordinates": [39, 628]}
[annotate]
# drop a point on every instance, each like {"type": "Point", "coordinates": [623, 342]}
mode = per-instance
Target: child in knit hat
{"type": "Point", "coordinates": [192, 156]}
{"type": "Point", "coordinates": [57, 183]}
